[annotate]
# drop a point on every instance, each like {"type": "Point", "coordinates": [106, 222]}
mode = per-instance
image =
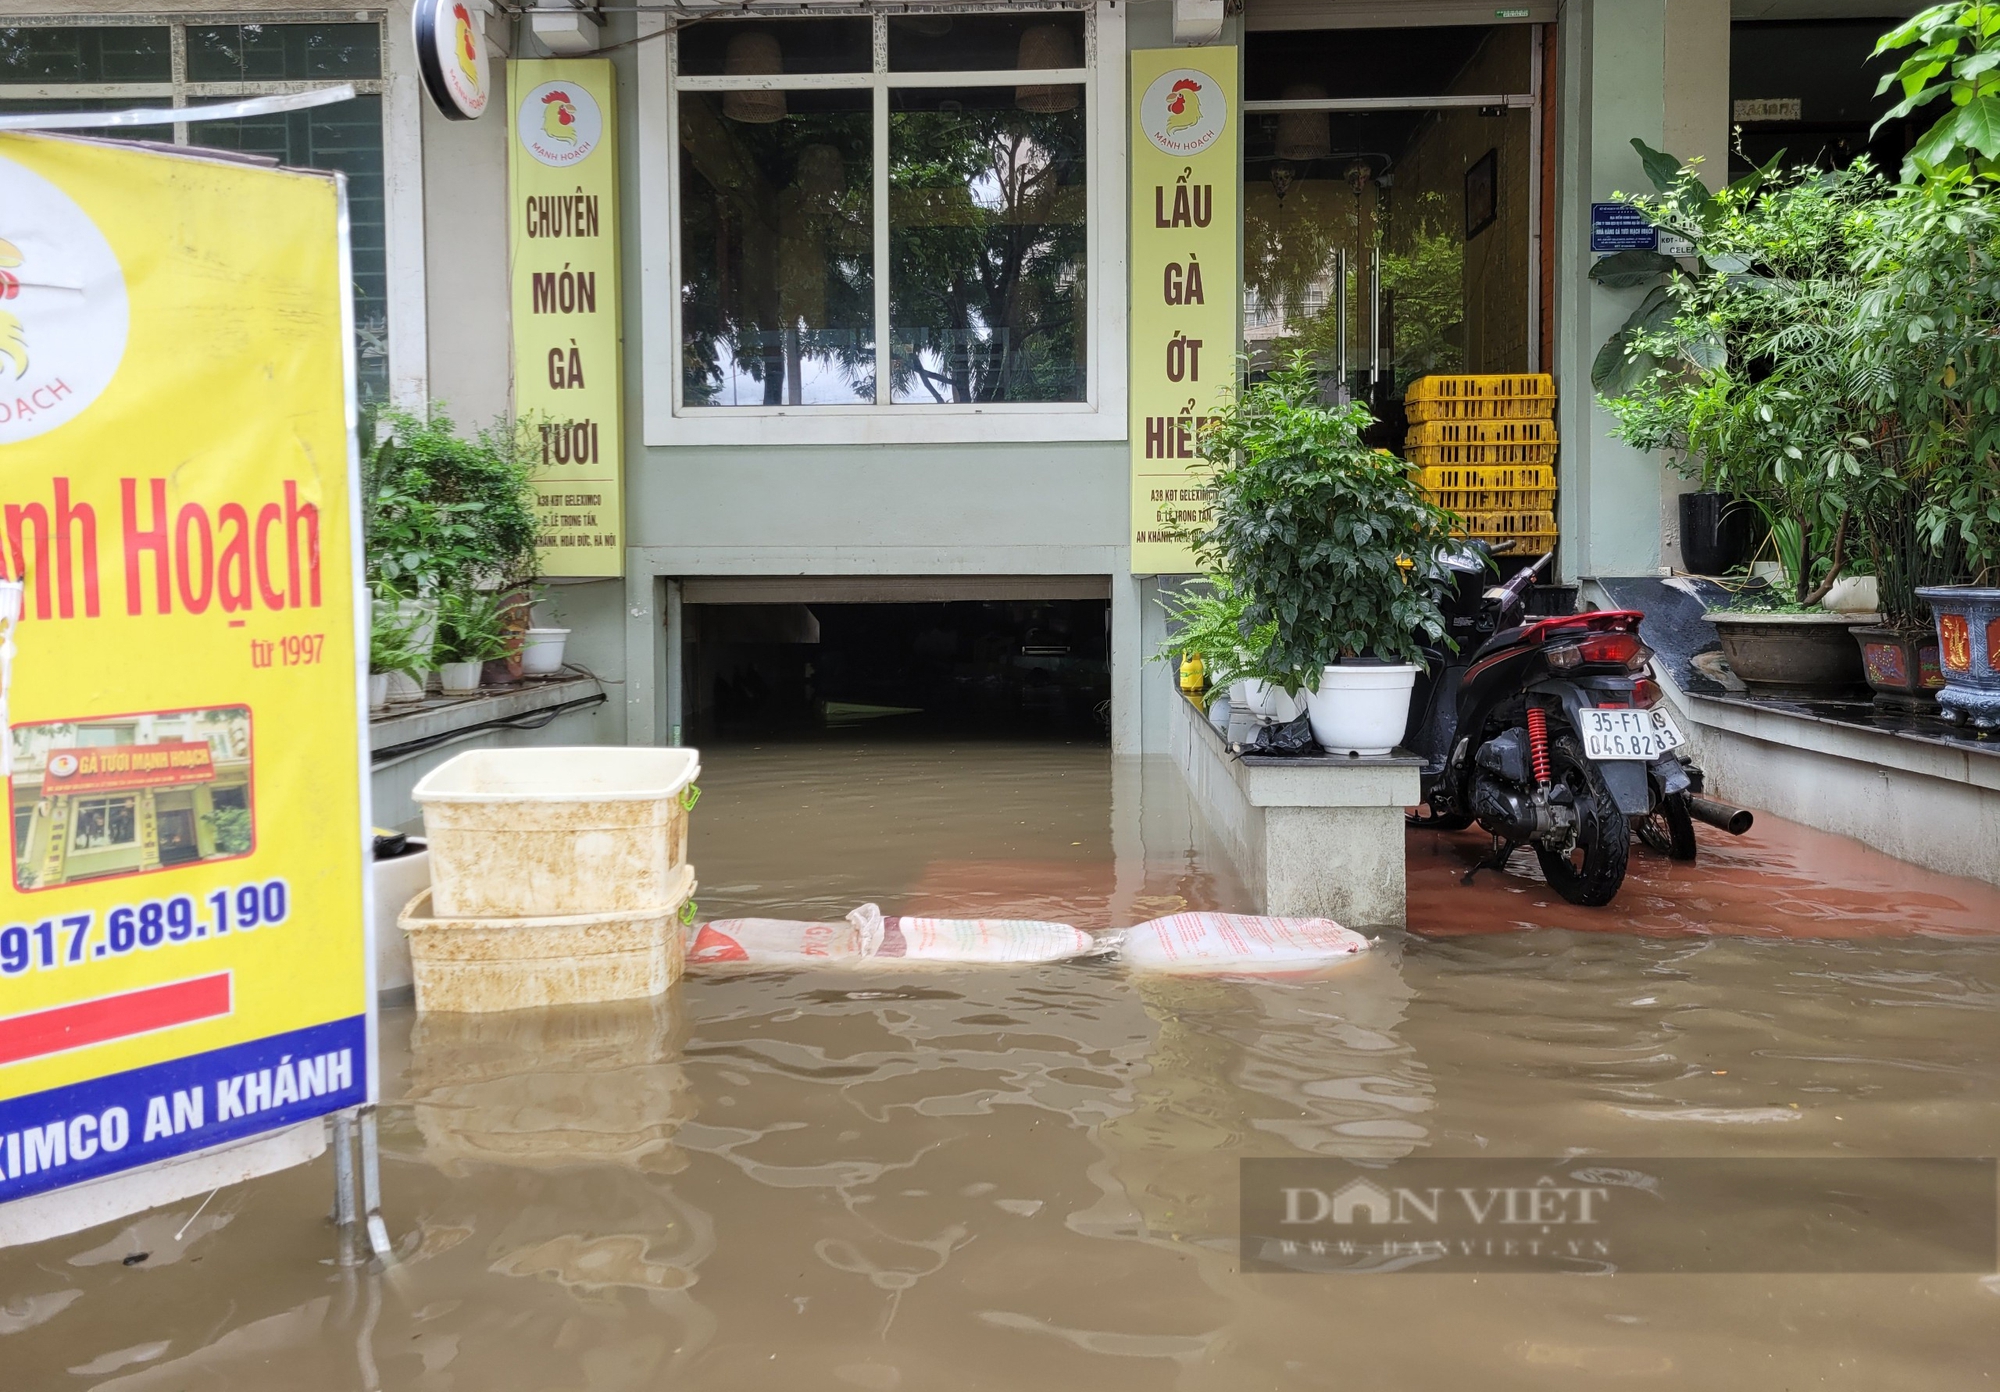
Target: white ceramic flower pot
{"type": "Point", "coordinates": [460, 678]}
{"type": "Point", "coordinates": [1361, 710]}
{"type": "Point", "coordinates": [1270, 702]}
{"type": "Point", "coordinates": [378, 690]}
{"type": "Point", "coordinates": [1853, 594]}
{"type": "Point", "coordinates": [403, 688]}
{"type": "Point", "coordinates": [542, 651]}
{"type": "Point", "coordinates": [1218, 712]}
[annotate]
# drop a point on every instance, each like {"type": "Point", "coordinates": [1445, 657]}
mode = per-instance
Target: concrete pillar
{"type": "Point", "coordinates": [1658, 71]}
{"type": "Point", "coordinates": [1128, 663]}
{"type": "Point", "coordinates": [646, 639]}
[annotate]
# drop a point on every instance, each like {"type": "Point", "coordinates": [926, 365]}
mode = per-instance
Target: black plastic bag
{"type": "Point", "coordinates": [1292, 740]}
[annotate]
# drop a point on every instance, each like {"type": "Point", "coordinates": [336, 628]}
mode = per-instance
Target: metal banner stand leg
{"type": "Point", "coordinates": [343, 1185]}
{"type": "Point", "coordinates": [371, 1186]}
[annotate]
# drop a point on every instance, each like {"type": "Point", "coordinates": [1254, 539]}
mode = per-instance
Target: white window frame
{"type": "Point", "coordinates": [402, 137]}
{"type": "Point", "coordinates": [1099, 416]}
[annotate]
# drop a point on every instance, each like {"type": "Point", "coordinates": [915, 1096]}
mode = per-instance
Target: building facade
{"type": "Point", "coordinates": [874, 295]}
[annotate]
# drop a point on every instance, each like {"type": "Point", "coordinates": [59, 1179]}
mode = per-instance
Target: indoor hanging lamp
{"type": "Point", "coordinates": [1304, 135]}
{"type": "Point", "coordinates": [1046, 46]}
{"type": "Point", "coordinates": [753, 54]}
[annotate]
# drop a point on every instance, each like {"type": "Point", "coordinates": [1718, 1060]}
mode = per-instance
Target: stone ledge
{"type": "Point", "coordinates": [400, 727]}
{"type": "Point", "coordinates": [1908, 750]}
{"type": "Point", "coordinates": [1316, 780]}
{"type": "Point", "coordinates": [1311, 836]}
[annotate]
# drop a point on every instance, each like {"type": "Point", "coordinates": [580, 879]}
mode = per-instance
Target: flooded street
{"type": "Point", "coordinates": [1026, 1177]}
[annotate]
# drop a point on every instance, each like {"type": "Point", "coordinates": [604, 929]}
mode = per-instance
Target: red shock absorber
{"type": "Point", "coordinates": [1538, 744]}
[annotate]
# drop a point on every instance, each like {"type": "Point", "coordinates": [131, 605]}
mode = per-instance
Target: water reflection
{"type": "Point", "coordinates": [1026, 1178]}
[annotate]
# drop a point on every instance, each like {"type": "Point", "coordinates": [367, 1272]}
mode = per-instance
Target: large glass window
{"type": "Point", "coordinates": [1388, 234]}
{"type": "Point", "coordinates": [778, 286]}
{"type": "Point", "coordinates": [58, 66]}
{"type": "Point", "coordinates": [987, 237]}
{"type": "Point", "coordinates": [102, 823]}
{"type": "Point", "coordinates": [816, 272]}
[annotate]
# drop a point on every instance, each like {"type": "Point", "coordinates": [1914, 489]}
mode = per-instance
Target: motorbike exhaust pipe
{"type": "Point", "coordinates": [1734, 820]}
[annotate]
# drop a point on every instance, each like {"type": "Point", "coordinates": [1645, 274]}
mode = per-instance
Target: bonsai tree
{"type": "Point", "coordinates": [1329, 541]}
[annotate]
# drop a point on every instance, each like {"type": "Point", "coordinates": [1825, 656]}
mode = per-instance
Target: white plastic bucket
{"type": "Point", "coordinates": [520, 833]}
{"type": "Point", "coordinates": [1361, 710]}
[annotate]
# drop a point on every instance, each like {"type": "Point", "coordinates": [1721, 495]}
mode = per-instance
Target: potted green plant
{"type": "Point", "coordinates": [1207, 620]}
{"type": "Point", "coordinates": [443, 511]}
{"type": "Point", "coordinates": [393, 651]}
{"type": "Point", "coordinates": [1926, 351]}
{"type": "Point", "coordinates": [471, 631]}
{"type": "Point", "coordinates": [1739, 368]}
{"type": "Point", "coordinates": [1327, 537]}
{"type": "Point", "coordinates": [542, 647]}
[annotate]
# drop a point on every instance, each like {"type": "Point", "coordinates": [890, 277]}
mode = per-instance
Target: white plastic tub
{"type": "Point", "coordinates": [482, 964]}
{"type": "Point", "coordinates": [527, 833]}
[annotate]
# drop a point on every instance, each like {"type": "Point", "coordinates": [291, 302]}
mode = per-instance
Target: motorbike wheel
{"type": "Point", "coordinates": [1593, 869]}
{"type": "Point", "coordinates": [1669, 829]}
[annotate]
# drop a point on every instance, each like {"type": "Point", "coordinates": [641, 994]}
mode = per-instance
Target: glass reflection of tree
{"type": "Point", "coordinates": [987, 249]}
{"type": "Point", "coordinates": [775, 243]}
{"type": "Point", "coordinates": [1290, 239]}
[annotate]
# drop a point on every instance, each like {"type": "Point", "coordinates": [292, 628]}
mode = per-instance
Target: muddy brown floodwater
{"type": "Point", "coordinates": [1027, 1178]}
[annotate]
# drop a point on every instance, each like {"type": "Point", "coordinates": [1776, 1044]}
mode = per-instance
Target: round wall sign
{"type": "Point", "coordinates": [64, 316]}
{"type": "Point", "coordinates": [451, 55]}
{"type": "Point", "coordinates": [1183, 112]}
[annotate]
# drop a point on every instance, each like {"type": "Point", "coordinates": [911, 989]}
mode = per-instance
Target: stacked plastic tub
{"type": "Point", "coordinates": [558, 876]}
{"type": "Point", "coordinates": [1484, 446]}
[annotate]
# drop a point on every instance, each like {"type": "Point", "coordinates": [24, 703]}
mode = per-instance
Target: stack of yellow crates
{"type": "Point", "coordinates": [1485, 447]}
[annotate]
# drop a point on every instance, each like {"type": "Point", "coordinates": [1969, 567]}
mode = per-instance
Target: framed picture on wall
{"type": "Point", "coordinates": [1480, 209]}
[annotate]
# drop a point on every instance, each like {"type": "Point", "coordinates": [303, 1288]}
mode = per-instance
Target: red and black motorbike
{"type": "Point", "coordinates": [1549, 733]}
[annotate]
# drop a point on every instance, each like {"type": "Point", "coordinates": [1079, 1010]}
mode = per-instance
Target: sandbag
{"type": "Point", "coordinates": [982, 940]}
{"type": "Point", "coordinates": [787, 942]}
{"type": "Point", "coordinates": [1198, 942]}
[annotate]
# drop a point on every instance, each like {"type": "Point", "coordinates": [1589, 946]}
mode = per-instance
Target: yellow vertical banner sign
{"type": "Point", "coordinates": [1186, 195]}
{"type": "Point", "coordinates": [562, 179]}
{"type": "Point", "coordinates": [183, 950]}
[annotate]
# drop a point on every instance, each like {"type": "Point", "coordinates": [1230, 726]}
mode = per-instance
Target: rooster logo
{"type": "Point", "coordinates": [559, 117]}
{"type": "Point", "coordinates": [13, 346]}
{"type": "Point", "coordinates": [463, 47]}
{"type": "Point", "coordinates": [1184, 105]}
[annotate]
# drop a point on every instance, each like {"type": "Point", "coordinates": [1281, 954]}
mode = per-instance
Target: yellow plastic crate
{"type": "Point", "coordinates": [1492, 488]}
{"type": "Point", "coordinates": [1424, 410]}
{"type": "Point", "coordinates": [1531, 532]}
{"type": "Point", "coordinates": [1480, 386]}
{"type": "Point", "coordinates": [1435, 456]}
{"type": "Point", "coordinates": [1482, 432]}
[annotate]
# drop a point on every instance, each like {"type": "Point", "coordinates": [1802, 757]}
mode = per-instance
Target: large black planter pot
{"type": "Point", "coordinates": [1716, 532]}
{"type": "Point", "coordinates": [1968, 629]}
{"type": "Point", "coordinates": [1796, 656]}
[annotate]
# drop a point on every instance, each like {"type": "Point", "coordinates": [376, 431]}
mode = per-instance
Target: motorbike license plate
{"type": "Point", "coordinates": [1611, 732]}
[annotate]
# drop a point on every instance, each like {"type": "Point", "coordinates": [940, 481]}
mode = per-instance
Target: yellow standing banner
{"type": "Point", "coordinates": [1186, 194]}
{"type": "Point", "coordinates": [562, 179]}
{"type": "Point", "coordinates": [184, 957]}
